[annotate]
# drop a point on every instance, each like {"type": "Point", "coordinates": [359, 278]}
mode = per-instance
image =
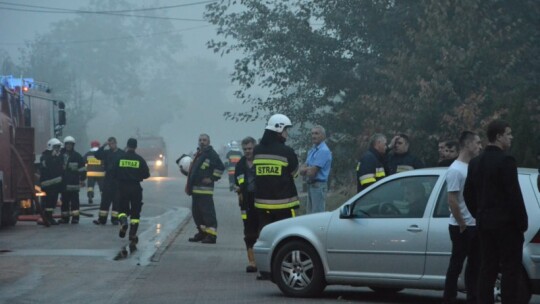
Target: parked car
{"type": "Point", "coordinates": [391, 236]}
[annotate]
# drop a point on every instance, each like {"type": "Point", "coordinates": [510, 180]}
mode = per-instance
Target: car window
{"type": "Point", "coordinates": [399, 198]}
{"type": "Point", "coordinates": [442, 209]}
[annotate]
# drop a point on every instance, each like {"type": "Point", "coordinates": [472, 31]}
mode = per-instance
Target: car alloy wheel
{"type": "Point", "coordinates": [298, 271]}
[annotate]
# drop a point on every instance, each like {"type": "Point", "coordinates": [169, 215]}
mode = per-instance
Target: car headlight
{"type": "Point", "coordinates": [159, 162]}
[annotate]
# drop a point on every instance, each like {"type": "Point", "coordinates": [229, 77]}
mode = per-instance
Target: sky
{"type": "Point", "coordinates": [181, 134]}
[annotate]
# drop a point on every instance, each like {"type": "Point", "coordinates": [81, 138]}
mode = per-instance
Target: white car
{"type": "Point", "coordinates": [391, 236]}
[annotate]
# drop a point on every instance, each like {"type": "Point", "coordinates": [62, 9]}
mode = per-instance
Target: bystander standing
{"type": "Point", "coordinates": [493, 196]}
{"type": "Point", "coordinates": [316, 170]}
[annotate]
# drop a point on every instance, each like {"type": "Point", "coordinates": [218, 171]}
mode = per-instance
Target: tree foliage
{"type": "Point", "coordinates": [429, 68]}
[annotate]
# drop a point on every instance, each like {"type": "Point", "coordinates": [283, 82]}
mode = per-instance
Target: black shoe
{"type": "Point", "coordinates": [114, 221]}
{"type": "Point", "coordinates": [63, 220]}
{"type": "Point", "coordinates": [209, 239]}
{"type": "Point", "coordinates": [74, 220]}
{"type": "Point", "coordinates": [98, 222]}
{"type": "Point", "coordinates": [250, 268]}
{"type": "Point", "coordinates": [52, 221]}
{"type": "Point", "coordinates": [90, 201]}
{"type": "Point", "coordinates": [199, 236]}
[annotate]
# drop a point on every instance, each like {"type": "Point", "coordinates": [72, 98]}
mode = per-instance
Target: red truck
{"type": "Point", "coordinates": [29, 117]}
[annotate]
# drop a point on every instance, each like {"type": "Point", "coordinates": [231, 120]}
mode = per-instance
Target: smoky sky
{"type": "Point", "coordinates": [206, 91]}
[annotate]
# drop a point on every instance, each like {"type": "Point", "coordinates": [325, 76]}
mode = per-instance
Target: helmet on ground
{"type": "Point", "coordinates": [94, 144]}
{"type": "Point", "coordinates": [69, 139]}
{"type": "Point", "coordinates": [184, 162]}
{"type": "Point", "coordinates": [53, 142]}
{"type": "Point", "coordinates": [278, 123]}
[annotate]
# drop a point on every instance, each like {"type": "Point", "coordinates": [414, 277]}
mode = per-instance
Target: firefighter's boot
{"type": "Point", "coordinates": [114, 218]}
{"type": "Point", "coordinates": [251, 267]}
{"type": "Point", "coordinates": [64, 218]}
{"type": "Point", "coordinates": [90, 195]}
{"type": "Point", "coordinates": [133, 231]}
{"type": "Point", "coordinates": [50, 219]}
{"type": "Point", "coordinates": [209, 239]}
{"type": "Point", "coordinates": [199, 236]}
{"type": "Point", "coordinates": [123, 221]}
{"type": "Point", "coordinates": [75, 216]}
{"type": "Point", "coordinates": [102, 219]}
{"type": "Point", "coordinates": [133, 238]}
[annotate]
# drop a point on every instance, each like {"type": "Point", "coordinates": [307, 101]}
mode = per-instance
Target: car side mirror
{"type": "Point", "coordinates": [345, 212]}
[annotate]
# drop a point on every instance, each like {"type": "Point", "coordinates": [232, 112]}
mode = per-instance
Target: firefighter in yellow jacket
{"type": "Point", "coordinates": [205, 169]}
{"type": "Point", "coordinates": [233, 157]}
{"type": "Point", "coordinates": [95, 171]}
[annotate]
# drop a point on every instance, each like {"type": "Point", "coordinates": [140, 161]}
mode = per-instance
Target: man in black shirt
{"type": "Point", "coordinates": [493, 196]}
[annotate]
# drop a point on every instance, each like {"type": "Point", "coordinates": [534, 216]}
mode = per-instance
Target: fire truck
{"type": "Point", "coordinates": [154, 151]}
{"type": "Point", "coordinates": [29, 117]}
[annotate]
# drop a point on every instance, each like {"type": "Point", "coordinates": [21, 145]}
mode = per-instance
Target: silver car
{"type": "Point", "coordinates": [391, 236]}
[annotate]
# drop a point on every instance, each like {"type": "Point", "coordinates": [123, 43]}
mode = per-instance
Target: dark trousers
{"type": "Point", "coordinates": [250, 220]}
{"type": "Point", "coordinates": [130, 199]}
{"type": "Point", "coordinates": [70, 202]}
{"type": "Point", "coordinates": [51, 198]}
{"type": "Point", "coordinates": [204, 213]}
{"type": "Point", "coordinates": [231, 181]}
{"type": "Point", "coordinates": [91, 182]}
{"type": "Point", "coordinates": [464, 245]}
{"type": "Point", "coordinates": [501, 250]}
{"type": "Point", "coordinates": [268, 216]}
{"type": "Point", "coordinates": [109, 196]}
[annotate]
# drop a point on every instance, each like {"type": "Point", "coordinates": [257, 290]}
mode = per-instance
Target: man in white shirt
{"type": "Point", "coordinates": [462, 225]}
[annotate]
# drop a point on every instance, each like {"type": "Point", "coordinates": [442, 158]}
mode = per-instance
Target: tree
{"type": "Point", "coordinates": [428, 68]}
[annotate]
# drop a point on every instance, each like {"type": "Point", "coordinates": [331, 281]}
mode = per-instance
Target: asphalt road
{"type": "Point", "coordinates": [76, 263]}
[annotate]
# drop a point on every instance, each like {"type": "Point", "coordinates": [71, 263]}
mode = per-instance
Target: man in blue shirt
{"type": "Point", "coordinates": [316, 170]}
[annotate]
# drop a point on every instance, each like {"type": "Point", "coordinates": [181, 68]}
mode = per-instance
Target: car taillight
{"type": "Point", "coordinates": [536, 238]}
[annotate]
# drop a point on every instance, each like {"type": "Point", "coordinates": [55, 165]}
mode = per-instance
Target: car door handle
{"type": "Point", "coordinates": [414, 228]}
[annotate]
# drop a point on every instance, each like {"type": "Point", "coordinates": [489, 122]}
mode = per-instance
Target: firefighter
{"type": "Point", "coordinates": [233, 156]}
{"type": "Point", "coordinates": [400, 159]}
{"type": "Point", "coordinates": [276, 166]}
{"type": "Point", "coordinates": [205, 169]}
{"type": "Point", "coordinates": [74, 176]}
{"type": "Point", "coordinates": [51, 170]}
{"type": "Point", "coordinates": [371, 167]}
{"type": "Point", "coordinates": [95, 172]}
{"type": "Point", "coordinates": [244, 174]}
{"type": "Point", "coordinates": [130, 170]}
{"type": "Point", "coordinates": [110, 185]}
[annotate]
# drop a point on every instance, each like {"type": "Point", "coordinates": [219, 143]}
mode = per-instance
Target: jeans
{"type": "Point", "coordinates": [316, 197]}
{"type": "Point", "coordinates": [464, 245]}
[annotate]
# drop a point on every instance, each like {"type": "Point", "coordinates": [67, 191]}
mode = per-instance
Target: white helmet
{"type": "Point", "coordinates": [53, 142]}
{"type": "Point", "coordinates": [69, 139]}
{"type": "Point", "coordinates": [235, 146]}
{"type": "Point", "coordinates": [184, 162]}
{"type": "Point", "coordinates": [278, 122]}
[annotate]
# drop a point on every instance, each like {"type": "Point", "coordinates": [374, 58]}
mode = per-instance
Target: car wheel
{"type": "Point", "coordinates": [385, 290]}
{"type": "Point", "coordinates": [298, 271]}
